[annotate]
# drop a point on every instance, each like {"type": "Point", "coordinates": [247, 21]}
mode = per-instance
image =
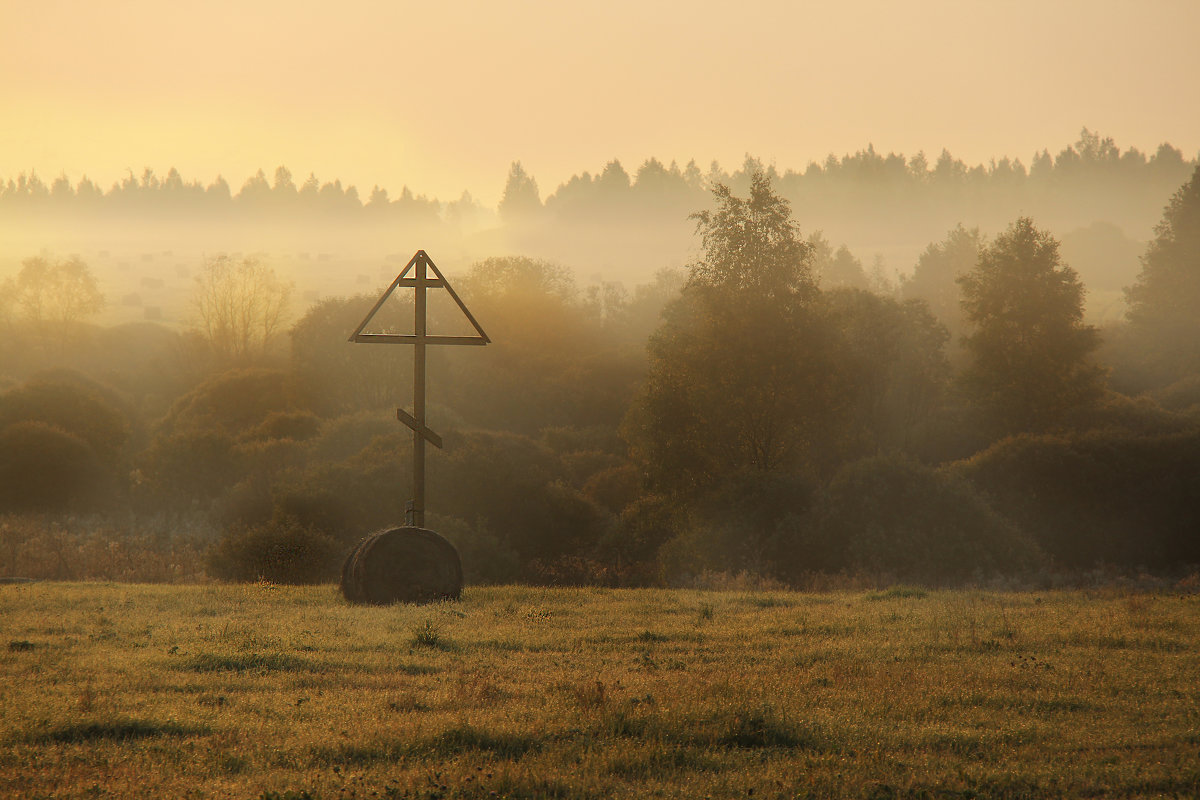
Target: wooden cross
{"type": "Point", "coordinates": [420, 265]}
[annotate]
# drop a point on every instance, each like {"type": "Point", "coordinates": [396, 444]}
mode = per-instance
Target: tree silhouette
{"type": "Point", "coordinates": [520, 200]}
{"type": "Point", "coordinates": [54, 292]}
{"type": "Point", "coordinates": [737, 375]}
{"type": "Point", "coordinates": [1164, 302]}
{"type": "Point", "coordinates": [240, 307]}
{"type": "Point", "coordinates": [934, 279]}
{"type": "Point", "coordinates": [1029, 346]}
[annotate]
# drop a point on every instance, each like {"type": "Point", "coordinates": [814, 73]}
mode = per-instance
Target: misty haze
{"type": "Point", "coordinates": [582, 402]}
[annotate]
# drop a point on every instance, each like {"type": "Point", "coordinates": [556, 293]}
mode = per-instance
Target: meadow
{"type": "Point", "coordinates": [264, 691]}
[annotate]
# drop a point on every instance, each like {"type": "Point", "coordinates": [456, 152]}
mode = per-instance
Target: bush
{"type": "Point", "coordinates": [747, 525]}
{"type": "Point", "coordinates": [516, 487]}
{"type": "Point", "coordinates": [299, 426]}
{"type": "Point", "coordinates": [345, 436]}
{"type": "Point", "coordinates": [233, 402]}
{"type": "Point", "coordinates": [281, 551]}
{"type": "Point", "coordinates": [1107, 497]}
{"type": "Point", "coordinates": [890, 516]}
{"type": "Point", "coordinates": [485, 559]}
{"type": "Point", "coordinates": [72, 404]}
{"type": "Point", "coordinates": [188, 468]}
{"type": "Point", "coordinates": [44, 468]}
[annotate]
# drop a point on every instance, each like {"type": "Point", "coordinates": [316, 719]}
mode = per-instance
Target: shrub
{"type": "Point", "coordinates": [296, 425]}
{"type": "Point", "coordinates": [281, 551]}
{"type": "Point", "coordinates": [515, 486]}
{"type": "Point", "coordinates": [186, 468]}
{"type": "Point", "coordinates": [233, 402]}
{"type": "Point", "coordinates": [1104, 497]}
{"type": "Point", "coordinates": [72, 404]}
{"type": "Point", "coordinates": [485, 559]}
{"type": "Point", "coordinates": [44, 468]}
{"type": "Point", "coordinates": [347, 435]}
{"type": "Point", "coordinates": [747, 525]}
{"type": "Point", "coordinates": [890, 516]}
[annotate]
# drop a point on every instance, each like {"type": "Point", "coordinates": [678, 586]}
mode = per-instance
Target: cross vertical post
{"type": "Point", "coordinates": [420, 329]}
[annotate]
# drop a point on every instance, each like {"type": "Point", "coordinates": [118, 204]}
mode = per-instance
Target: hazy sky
{"type": "Point", "coordinates": [444, 96]}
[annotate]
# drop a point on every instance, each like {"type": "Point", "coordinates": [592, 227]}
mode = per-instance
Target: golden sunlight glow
{"type": "Point", "coordinates": [443, 97]}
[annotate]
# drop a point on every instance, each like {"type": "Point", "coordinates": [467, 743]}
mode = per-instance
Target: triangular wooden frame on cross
{"type": "Point", "coordinates": [420, 283]}
{"type": "Point", "coordinates": [437, 282]}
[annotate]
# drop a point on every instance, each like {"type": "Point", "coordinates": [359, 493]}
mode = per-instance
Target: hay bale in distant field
{"type": "Point", "coordinates": [402, 565]}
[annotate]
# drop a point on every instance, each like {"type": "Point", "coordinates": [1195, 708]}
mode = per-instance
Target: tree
{"type": "Point", "coordinates": [520, 200]}
{"type": "Point", "coordinates": [891, 355]}
{"type": "Point", "coordinates": [934, 279]}
{"type": "Point", "coordinates": [1164, 301]}
{"type": "Point", "coordinates": [60, 292]}
{"type": "Point", "coordinates": [346, 376]}
{"type": "Point", "coordinates": [738, 371]}
{"type": "Point", "coordinates": [1030, 348]}
{"type": "Point", "coordinates": [753, 245]}
{"type": "Point", "coordinates": [240, 306]}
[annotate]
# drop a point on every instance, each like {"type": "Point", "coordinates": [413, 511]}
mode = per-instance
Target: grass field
{"type": "Point", "coordinates": [260, 691]}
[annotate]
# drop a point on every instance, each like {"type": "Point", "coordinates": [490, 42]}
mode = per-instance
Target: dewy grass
{"type": "Point", "coordinates": [240, 691]}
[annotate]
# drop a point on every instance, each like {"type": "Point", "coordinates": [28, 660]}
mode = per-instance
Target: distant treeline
{"type": "Point", "coordinates": [1100, 180]}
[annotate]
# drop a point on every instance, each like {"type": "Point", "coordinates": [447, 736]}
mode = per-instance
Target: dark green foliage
{"type": "Point", "coordinates": [44, 468]}
{"type": "Point", "coordinates": [934, 279]}
{"type": "Point", "coordinates": [1163, 302]}
{"type": "Point", "coordinates": [71, 403]}
{"type": "Point", "coordinates": [233, 402]}
{"type": "Point", "coordinates": [748, 523]}
{"type": "Point", "coordinates": [342, 376]}
{"type": "Point", "coordinates": [740, 371]}
{"type": "Point", "coordinates": [1100, 498]}
{"type": "Point", "coordinates": [296, 425]}
{"type": "Point", "coordinates": [891, 362]}
{"type": "Point", "coordinates": [1030, 350]}
{"type": "Point", "coordinates": [514, 486]}
{"type": "Point", "coordinates": [485, 558]}
{"type": "Point", "coordinates": [890, 516]}
{"type": "Point", "coordinates": [280, 551]}
{"type": "Point", "coordinates": [189, 467]}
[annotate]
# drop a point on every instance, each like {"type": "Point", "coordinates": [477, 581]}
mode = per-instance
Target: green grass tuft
{"type": "Point", "coordinates": [428, 635]}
